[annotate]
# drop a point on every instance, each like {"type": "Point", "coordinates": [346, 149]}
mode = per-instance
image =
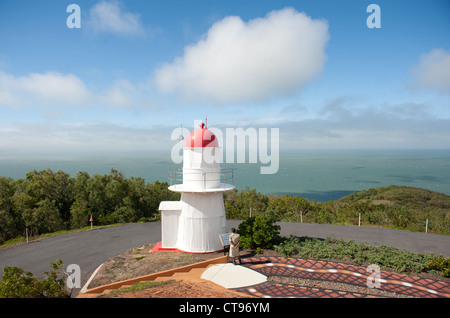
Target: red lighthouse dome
{"type": "Point", "coordinates": [201, 137]}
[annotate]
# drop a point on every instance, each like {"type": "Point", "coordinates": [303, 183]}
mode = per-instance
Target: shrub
{"type": "Point", "coordinates": [439, 263]}
{"type": "Point", "coordinates": [16, 283]}
{"type": "Point", "coordinates": [258, 231]}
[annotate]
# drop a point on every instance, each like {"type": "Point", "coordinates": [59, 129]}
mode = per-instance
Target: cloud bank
{"type": "Point", "coordinates": [250, 61]}
{"type": "Point", "coordinates": [340, 125]}
{"type": "Point", "coordinates": [29, 139]}
{"type": "Point", "coordinates": [48, 87]}
{"type": "Point", "coordinates": [433, 71]}
{"type": "Point", "coordinates": [61, 90]}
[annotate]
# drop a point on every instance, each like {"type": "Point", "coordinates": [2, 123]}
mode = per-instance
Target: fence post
{"type": "Point", "coordinates": [426, 227]}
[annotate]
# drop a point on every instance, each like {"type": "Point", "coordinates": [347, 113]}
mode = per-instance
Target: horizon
{"type": "Point", "coordinates": [315, 174]}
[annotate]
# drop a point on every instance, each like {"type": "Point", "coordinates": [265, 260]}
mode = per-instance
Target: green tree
{"type": "Point", "coordinates": [258, 232]}
{"type": "Point", "coordinates": [233, 204]}
{"type": "Point", "coordinates": [157, 192]}
{"type": "Point", "coordinates": [9, 218]}
{"type": "Point", "coordinates": [98, 201]}
{"type": "Point", "coordinates": [238, 204]}
{"type": "Point", "coordinates": [288, 208]}
{"type": "Point", "coordinates": [80, 209]}
{"type": "Point", "coordinates": [46, 217]}
{"type": "Point", "coordinates": [79, 214]}
{"type": "Point", "coordinates": [24, 204]}
{"type": "Point", "coordinates": [57, 187]}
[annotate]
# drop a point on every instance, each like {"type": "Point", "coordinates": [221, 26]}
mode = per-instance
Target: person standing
{"type": "Point", "coordinates": [235, 240]}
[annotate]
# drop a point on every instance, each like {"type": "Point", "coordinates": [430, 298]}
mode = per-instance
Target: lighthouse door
{"type": "Point", "coordinates": [170, 214]}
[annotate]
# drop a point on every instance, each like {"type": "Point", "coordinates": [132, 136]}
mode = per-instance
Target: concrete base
{"type": "Point", "coordinates": [232, 276]}
{"type": "Point", "coordinates": [158, 248]}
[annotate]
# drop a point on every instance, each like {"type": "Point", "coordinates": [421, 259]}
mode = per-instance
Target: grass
{"type": "Point", "coordinates": [136, 287]}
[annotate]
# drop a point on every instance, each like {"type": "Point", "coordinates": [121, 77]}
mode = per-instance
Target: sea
{"type": "Point", "coordinates": [320, 175]}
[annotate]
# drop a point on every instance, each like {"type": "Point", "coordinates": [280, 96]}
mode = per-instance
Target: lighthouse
{"type": "Point", "coordinates": [195, 223]}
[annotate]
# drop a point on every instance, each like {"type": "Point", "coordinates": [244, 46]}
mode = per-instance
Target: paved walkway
{"type": "Point", "coordinates": [251, 278]}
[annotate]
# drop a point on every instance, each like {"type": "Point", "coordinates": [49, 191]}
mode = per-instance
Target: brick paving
{"type": "Point", "coordinates": [334, 272]}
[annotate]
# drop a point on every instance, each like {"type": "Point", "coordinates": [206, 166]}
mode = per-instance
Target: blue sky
{"type": "Point", "coordinates": [136, 70]}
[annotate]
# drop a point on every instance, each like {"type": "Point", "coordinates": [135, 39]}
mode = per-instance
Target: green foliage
{"type": "Point", "coordinates": [135, 287]}
{"type": "Point", "coordinates": [288, 208]}
{"type": "Point", "coordinates": [359, 253]}
{"type": "Point", "coordinates": [393, 206]}
{"type": "Point", "coordinates": [288, 247]}
{"type": "Point", "coordinates": [48, 201]}
{"type": "Point", "coordinates": [439, 263]}
{"type": "Point", "coordinates": [9, 219]}
{"type": "Point", "coordinates": [403, 207]}
{"type": "Point", "coordinates": [238, 204]}
{"type": "Point", "coordinates": [16, 283]}
{"type": "Point", "coordinates": [258, 232]}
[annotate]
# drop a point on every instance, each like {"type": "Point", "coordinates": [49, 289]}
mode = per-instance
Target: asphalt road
{"type": "Point", "coordinates": [89, 249]}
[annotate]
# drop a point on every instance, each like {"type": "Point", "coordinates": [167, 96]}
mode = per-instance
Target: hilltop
{"type": "Point", "coordinates": [393, 206]}
{"type": "Point", "coordinates": [401, 195]}
{"type": "Point", "coordinates": [403, 207]}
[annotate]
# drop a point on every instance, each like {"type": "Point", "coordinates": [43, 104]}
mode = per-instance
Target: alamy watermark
{"type": "Point", "coordinates": [73, 273]}
{"type": "Point", "coordinates": [374, 279]}
{"type": "Point", "coordinates": [373, 21]}
{"type": "Point", "coordinates": [250, 145]}
{"type": "Point", "coordinates": [73, 21]}
{"type": "Point", "coordinates": [74, 18]}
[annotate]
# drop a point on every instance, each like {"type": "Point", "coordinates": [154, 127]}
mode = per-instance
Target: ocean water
{"type": "Point", "coordinates": [319, 175]}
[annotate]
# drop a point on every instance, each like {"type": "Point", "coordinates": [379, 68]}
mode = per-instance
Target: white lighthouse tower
{"type": "Point", "coordinates": [194, 223]}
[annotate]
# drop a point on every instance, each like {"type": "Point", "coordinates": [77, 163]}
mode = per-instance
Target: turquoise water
{"type": "Point", "coordinates": [320, 175]}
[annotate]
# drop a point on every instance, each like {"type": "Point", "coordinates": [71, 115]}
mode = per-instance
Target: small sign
{"type": "Point", "coordinates": [225, 239]}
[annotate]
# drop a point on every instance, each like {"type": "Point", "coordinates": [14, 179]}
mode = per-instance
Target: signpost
{"type": "Point", "coordinates": [225, 240]}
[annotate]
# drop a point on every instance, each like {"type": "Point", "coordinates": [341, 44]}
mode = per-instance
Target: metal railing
{"type": "Point", "coordinates": [226, 175]}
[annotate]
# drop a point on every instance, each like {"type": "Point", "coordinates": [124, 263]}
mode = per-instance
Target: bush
{"type": "Point", "coordinates": [258, 232]}
{"type": "Point", "coordinates": [16, 283]}
{"type": "Point", "coordinates": [439, 263]}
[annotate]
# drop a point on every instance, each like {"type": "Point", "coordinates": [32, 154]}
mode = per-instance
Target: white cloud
{"type": "Point", "coordinates": [433, 71]}
{"type": "Point", "coordinates": [249, 61]}
{"type": "Point", "coordinates": [109, 17]}
{"type": "Point", "coordinates": [51, 87]}
{"type": "Point", "coordinates": [61, 90]}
